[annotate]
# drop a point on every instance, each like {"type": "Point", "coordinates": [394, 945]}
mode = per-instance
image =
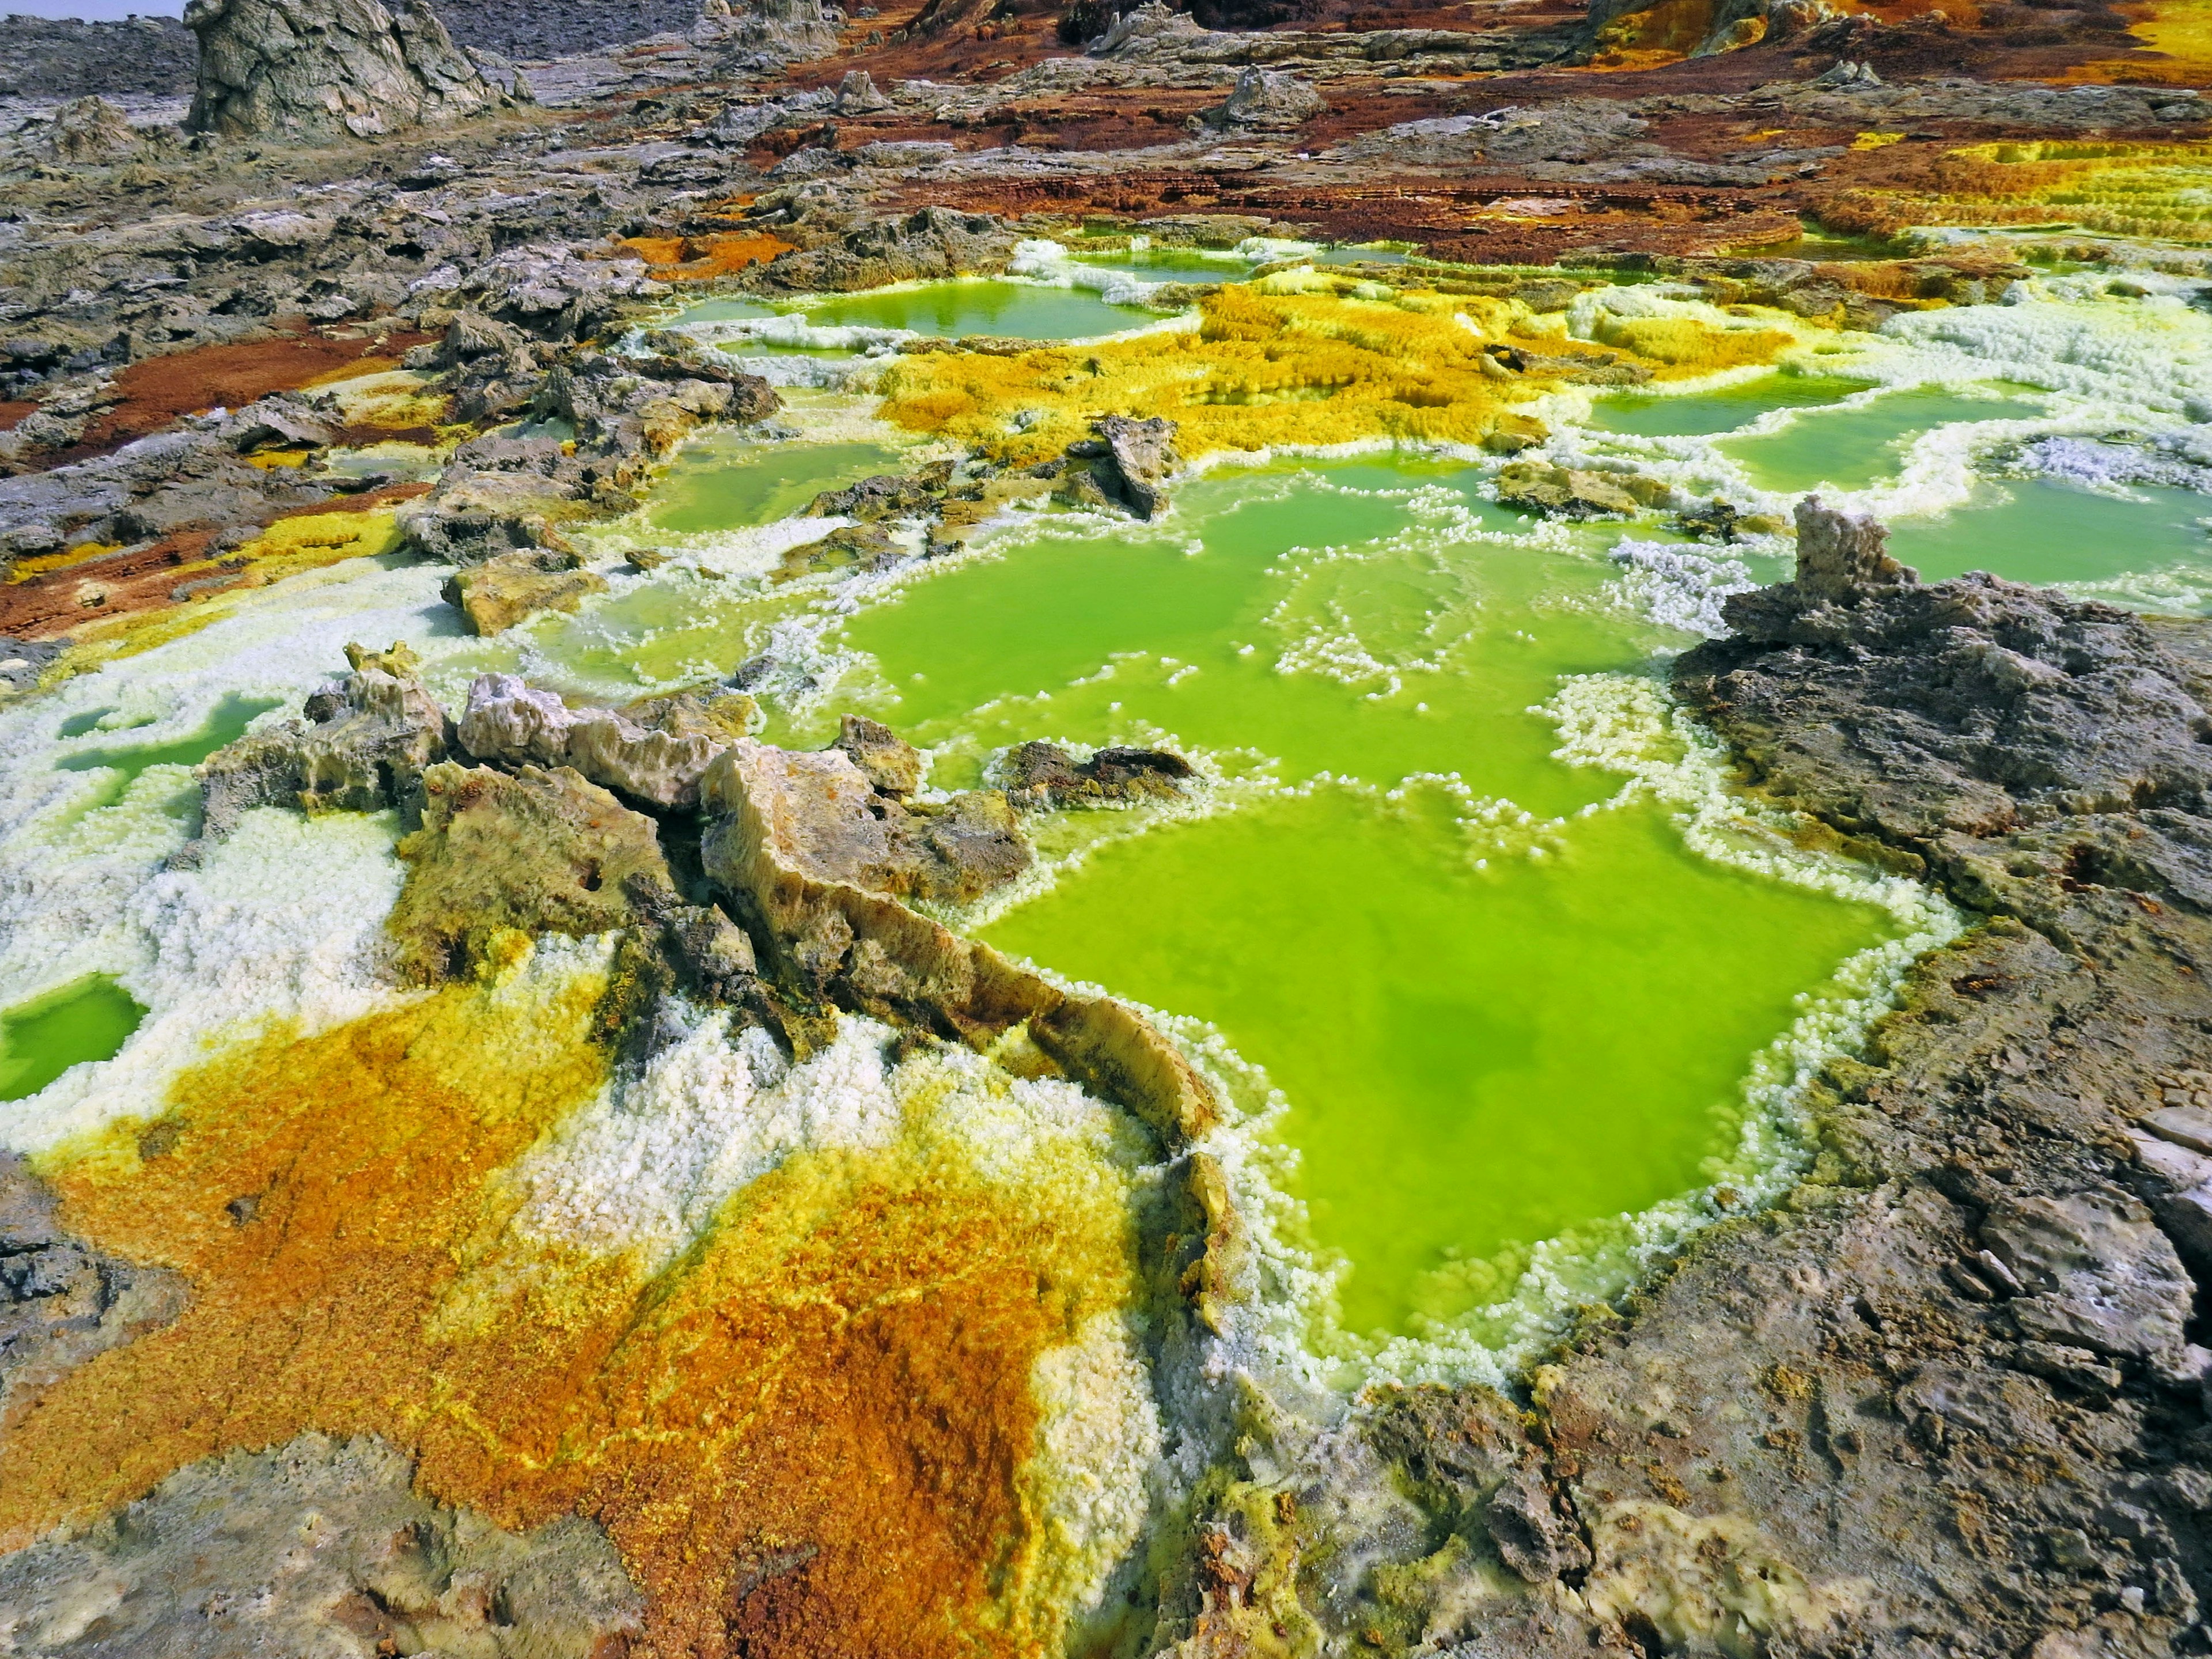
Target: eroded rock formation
{"type": "Point", "coordinates": [321, 70]}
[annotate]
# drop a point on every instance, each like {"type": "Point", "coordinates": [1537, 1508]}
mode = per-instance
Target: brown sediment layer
{"type": "Point", "coordinates": [806, 1436]}
{"type": "Point", "coordinates": [156, 390]}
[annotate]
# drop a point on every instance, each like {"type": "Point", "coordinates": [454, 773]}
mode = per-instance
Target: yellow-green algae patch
{"type": "Point", "coordinates": [834, 1413]}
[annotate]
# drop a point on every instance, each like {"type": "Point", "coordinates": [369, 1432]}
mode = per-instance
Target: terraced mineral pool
{"type": "Point", "coordinates": [1849, 448]}
{"type": "Point", "coordinates": [2143, 545]}
{"type": "Point", "coordinates": [126, 762]}
{"type": "Point", "coordinates": [1704, 414]}
{"type": "Point", "coordinates": [1026, 311]}
{"type": "Point", "coordinates": [90, 1020]}
{"type": "Point", "coordinates": [729, 484]}
{"type": "Point", "coordinates": [1503, 1006]}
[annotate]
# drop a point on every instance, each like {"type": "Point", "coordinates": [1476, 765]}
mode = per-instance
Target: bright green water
{"type": "Point", "coordinates": [731, 485]}
{"type": "Point", "coordinates": [2043, 530]}
{"type": "Point", "coordinates": [226, 724]}
{"type": "Point", "coordinates": [1168, 265]}
{"type": "Point", "coordinates": [1482, 1046]}
{"type": "Point", "coordinates": [41, 1039]}
{"type": "Point", "coordinates": [1852, 448]}
{"type": "Point", "coordinates": [1705, 413]}
{"type": "Point", "coordinates": [1021, 310]}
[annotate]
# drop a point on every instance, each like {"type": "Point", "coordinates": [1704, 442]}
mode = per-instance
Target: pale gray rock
{"type": "Point", "coordinates": [2097, 1273]}
{"type": "Point", "coordinates": [1267, 99]}
{"type": "Point", "coordinates": [315, 71]}
{"type": "Point", "coordinates": [656, 754]}
{"type": "Point", "coordinates": [61, 1301]}
{"type": "Point", "coordinates": [1840, 555]}
{"type": "Point", "coordinates": [317, 1546]}
{"type": "Point", "coordinates": [857, 95]}
{"type": "Point", "coordinates": [1136, 460]}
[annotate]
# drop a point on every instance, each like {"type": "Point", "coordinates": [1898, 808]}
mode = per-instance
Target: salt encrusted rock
{"type": "Point", "coordinates": [318, 69]}
{"type": "Point", "coordinates": [857, 95]}
{"type": "Point", "coordinates": [387, 1567]}
{"type": "Point", "coordinates": [1840, 555]}
{"type": "Point", "coordinates": [365, 740]}
{"type": "Point", "coordinates": [503, 590]}
{"type": "Point", "coordinates": [1563, 492]}
{"type": "Point", "coordinates": [653, 751]}
{"type": "Point", "coordinates": [1128, 462]}
{"type": "Point", "coordinates": [889, 762]}
{"type": "Point", "coordinates": [529, 852]}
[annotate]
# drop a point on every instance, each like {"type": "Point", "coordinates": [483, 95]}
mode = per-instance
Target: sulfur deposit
{"type": "Point", "coordinates": [1107, 830]}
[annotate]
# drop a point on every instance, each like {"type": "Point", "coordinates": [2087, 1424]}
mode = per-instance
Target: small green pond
{"type": "Point", "coordinates": [1026, 311]}
{"type": "Point", "coordinates": [2048, 531]}
{"type": "Point", "coordinates": [1701, 413]}
{"type": "Point", "coordinates": [126, 761]}
{"type": "Point", "coordinates": [733, 484]}
{"type": "Point", "coordinates": [1852, 448]}
{"type": "Point", "coordinates": [90, 1020]}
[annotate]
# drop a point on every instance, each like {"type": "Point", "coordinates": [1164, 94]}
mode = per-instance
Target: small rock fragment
{"type": "Point", "coordinates": [503, 590]}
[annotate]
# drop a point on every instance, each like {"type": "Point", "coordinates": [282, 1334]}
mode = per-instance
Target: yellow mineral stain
{"type": "Point", "coordinates": [2177, 40]}
{"type": "Point", "coordinates": [1272, 368]}
{"type": "Point", "coordinates": [2158, 191]}
{"type": "Point", "coordinates": [806, 1436]}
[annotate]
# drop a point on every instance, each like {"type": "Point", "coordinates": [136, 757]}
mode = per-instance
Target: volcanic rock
{"type": "Point", "coordinates": [1038, 774]}
{"type": "Point", "coordinates": [1267, 99]}
{"type": "Point", "coordinates": [389, 1566]}
{"type": "Point", "coordinates": [653, 751]}
{"type": "Point", "coordinates": [1129, 461]}
{"type": "Point", "coordinates": [313, 70]}
{"type": "Point", "coordinates": [891, 763]}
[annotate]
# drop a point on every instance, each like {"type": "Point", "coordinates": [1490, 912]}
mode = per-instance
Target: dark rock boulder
{"type": "Point", "coordinates": [1040, 775]}
{"type": "Point", "coordinates": [1976, 706]}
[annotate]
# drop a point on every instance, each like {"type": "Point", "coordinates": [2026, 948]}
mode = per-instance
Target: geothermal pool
{"type": "Point", "coordinates": [1506, 986]}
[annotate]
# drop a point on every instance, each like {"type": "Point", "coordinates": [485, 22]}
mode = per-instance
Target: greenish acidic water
{"type": "Point", "coordinates": [734, 485]}
{"type": "Point", "coordinates": [1852, 448]}
{"type": "Point", "coordinates": [226, 724]}
{"type": "Point", "coordinates": [1023, 310]}
{"type": "Point", "coordinates": [1701, 413]}
{"type": "Point", "coordinates": [1168, 265]}
{"type": "Point", "coordinates": [1489, 1033]}
{"type": "Point", "coordinates": [2150, 545]}
{"type": "Point", "coordinates": [725, 311]}
{"type": "Point", "coordinates": [90, 1020]}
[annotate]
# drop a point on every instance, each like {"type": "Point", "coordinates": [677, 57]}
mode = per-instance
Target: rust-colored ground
{"type": "Point", "coordinates": [804, 1437]}
{"type": "Point", "coordinates": [703, 258]}
{"type": "Point", "coordinates": [156, 391]}
{"type": "Point", "coordinates": [47, 597]}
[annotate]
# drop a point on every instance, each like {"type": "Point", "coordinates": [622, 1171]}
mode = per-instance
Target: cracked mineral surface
{"type": "Point", "coordinates": [1271, 828]}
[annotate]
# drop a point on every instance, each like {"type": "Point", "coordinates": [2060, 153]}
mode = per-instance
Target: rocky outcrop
{"type": "Point", "coordinates": [519, 854]}
{"type": "Point", "coordinates": [92, 130]}
{"type": "Point", "coordinates": [1126, 463]}
{"type": "Point", "coordinates": [811, 854]}
{"type": "Point", "coordinates": [363, 744]}
{"type": "Point", "coordinates": [653, 752]}
{"type": "Point", "coordinates": [891, 765]}
{"type": "Point", "coordinates": [1039, 774]}
{"type": "Point", "coordinates": [61, 1302]}
{"type": "Point", "coordinates": [1574, 492]}
{"type": "Point", "coordinates": [1933, 715]}
{"type": "Point", "coordinates": [931, 243]}
{"type": "Point", "coordinates": [775, 30]}
{"type": "Point", "coordinates": [507, 587]}
{"type": "Point", "coordinates": [1266, 99]}
{"type": "Point", "coordinates": [313, 70]}
{"type": "Point", "coordinates": [186, 1569]}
